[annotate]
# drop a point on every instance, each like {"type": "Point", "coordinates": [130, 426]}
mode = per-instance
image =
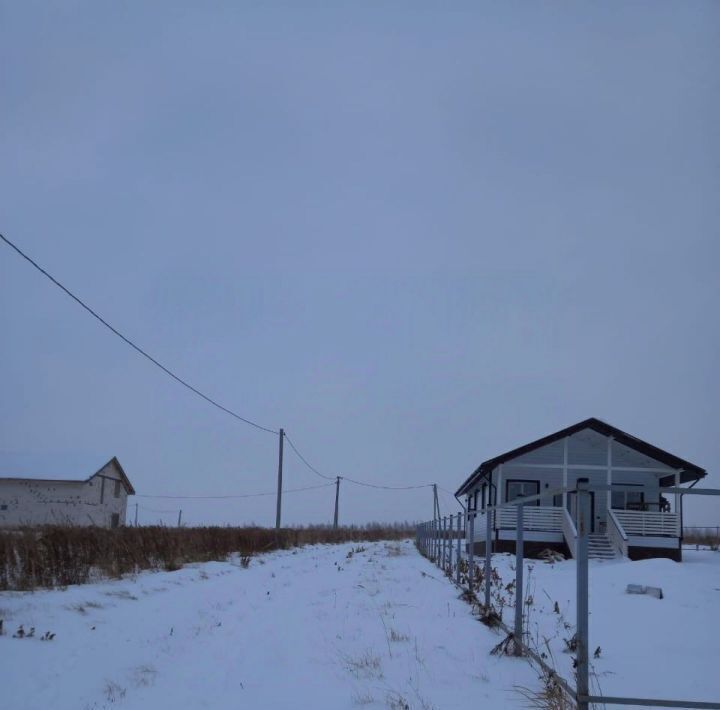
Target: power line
{"type": "Point", "coordinates": [135, 347]}
{"type": "Point", "coordinates": [242, 495]}
{"type": "Point", "coordinates": [351, 480]}
{"type": "Point", "coordinates": [305, 461]}
{"type": "Point", "coordinates": [387, 488]}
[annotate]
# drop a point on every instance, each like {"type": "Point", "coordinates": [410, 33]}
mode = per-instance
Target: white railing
{"type": "Point", "coordinates": [616, 534]}
{"type": "Point", "coordinates": [536, 517]}
{"type": "Point", "coordinates": [648, 523]}
{"type": "Point", "coordinates": [569, 531]}
{"type": "Point", "coordinates": [480, 525]}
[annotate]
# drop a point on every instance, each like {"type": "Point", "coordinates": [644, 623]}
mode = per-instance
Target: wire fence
{"type": "Point", "coordinates": [442, 541]}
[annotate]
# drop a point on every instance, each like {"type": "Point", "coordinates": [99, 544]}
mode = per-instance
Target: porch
{"type": "Point", "coordinates": [631, 533]}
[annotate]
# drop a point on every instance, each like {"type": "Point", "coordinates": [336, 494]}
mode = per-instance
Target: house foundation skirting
{"type": "Point", "coordinates": [530, 548]}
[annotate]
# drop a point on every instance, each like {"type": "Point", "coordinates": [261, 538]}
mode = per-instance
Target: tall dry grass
{"type": "Point", "coordinates": [708, 536]}
{"type": "Point", "coordinates": [55, 556]}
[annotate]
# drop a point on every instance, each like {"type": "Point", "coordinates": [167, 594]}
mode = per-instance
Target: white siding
{"type": "Point", "coordinates": [37, 502]}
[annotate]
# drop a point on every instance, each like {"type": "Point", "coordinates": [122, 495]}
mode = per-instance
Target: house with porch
{"type": "Point", "coordinates": [635, 521]}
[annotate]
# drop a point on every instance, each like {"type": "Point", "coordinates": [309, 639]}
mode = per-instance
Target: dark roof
{"type": "Point", "coordinates": [23, 468]}
{"type": "Point", "coordinates": [690, 472]}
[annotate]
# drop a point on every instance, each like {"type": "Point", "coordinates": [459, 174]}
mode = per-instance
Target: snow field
{"type": "Point", "coordinates": [330, 626]}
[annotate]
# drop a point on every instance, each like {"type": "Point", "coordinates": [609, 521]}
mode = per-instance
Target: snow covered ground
{"type": "Point", "coordinates": [657, 648]}
{"type": "Point", "coordinates": [379, 628]}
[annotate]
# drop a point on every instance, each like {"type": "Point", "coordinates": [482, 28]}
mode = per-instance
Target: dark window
{"type": "Point", "coordinates": [3, 507]}
{"type": "Point", "coordinates": [557, 501]}
{"type": "Point", "coordinates": [483, 497]}
{"type": "Point", "coordinates": [117, 489]}
{"type": "Point", "coordinates": [627, 500]}
{"type": "Point", "coordinates": [521, 489]}
{"type": "Point", "coordinates": [114, 520]}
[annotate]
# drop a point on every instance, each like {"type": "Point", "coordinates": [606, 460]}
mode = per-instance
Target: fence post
{"type": "Point", "coordinates": [451, 537]}
{"type": "Point", "coordinates": [471, 550]}
{"type": "Point", "coordinates": [519, 597]}
{"type": "Point", "coordinates": [583, 526]}
{"type": "Point", "coordinates": [488, 554]}
{"type": "Point", "coordinates": [443, 559]}
{"type": "Point", "coordinates": [458, 550]}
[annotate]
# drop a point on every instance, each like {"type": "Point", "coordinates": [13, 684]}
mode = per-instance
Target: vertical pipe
{"type": "Point", "coordinates": [136, 510]}
{"type": "Point", "coordinates": [451, 537]}
{"type": "Point", "coordinates": [458, 550]}
{"type": "Point", "coordinates": [488, 554]}
{"type": "Point", "coordinates": [443, 559]}
{"type": "Point", "coordinates": [180, 517]}
{"type": "Point", "coordinates": [519, 597]}
{"type": "Point", "coordinates": [583, 518]}
{"type": "Point", "coordinates": [278, 512]}
{"type": "Point", "coordinates": [471, 550]}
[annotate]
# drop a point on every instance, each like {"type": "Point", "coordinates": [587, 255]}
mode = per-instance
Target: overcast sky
{"type": "Point", "coordinates": [415, 235]}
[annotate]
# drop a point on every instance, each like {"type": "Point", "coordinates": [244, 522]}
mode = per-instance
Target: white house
{"type": "Point", "coordinates": [31, 496]}
{"type": "Point", "coordinates": [635, 521]}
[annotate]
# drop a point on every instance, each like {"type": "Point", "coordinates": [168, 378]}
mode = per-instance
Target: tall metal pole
{"type": "Point", "coordinates": [451, 538]}
{"type": "Point", "coordinates": [278, 513]}
{"type": "Point", "coordinates": [459, 549]}
{"type": "Point", "coordinates": [471, 549]}
{"type": "Point", "coordinates": [136, 509]}
{"type": "Point", "coordinates": [583, 529]}
{"type": "Point", "coordinates": [488, 553]}
{"type": "Point", "coordinates": [436, 504]}
{"type": "Point", "coordinates": [179, 517]}
{"type": "Point", "coordinates": [519, 596]}
{"type": "Point", "coordinates": [337, 498]}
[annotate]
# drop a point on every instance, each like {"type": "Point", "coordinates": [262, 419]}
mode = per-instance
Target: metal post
{"type": "Point", "coordinates": [583, 528]}
{"type": "Point", "coordinates": [136, 510]}
{"type": "Point", "coordinates": [179, 517]}
{"type": "Point", "coordinates": [488, 553]}
{"type": "Point", "coordinates": [519, 597]}
{"type": "Point", "coordinates": [443, 538]}
{"type": "Point", "coordinates": [278, 513]}
{"type": "Point", "coordinates": [451, 537]}
{"type": "Point", "coordinates": [471, 550]}
{"type": "Point", "coordinates": [337, 498]}
{"type": "Point", "coordinates": [459, 549]}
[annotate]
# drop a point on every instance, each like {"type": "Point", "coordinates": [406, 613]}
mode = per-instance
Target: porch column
{"type": "Point", "coordinates": [609, 477]}
{"type": "Point", "coordinates": [565, 472]}
{"type": "Point", "coordinates": [678, 504]}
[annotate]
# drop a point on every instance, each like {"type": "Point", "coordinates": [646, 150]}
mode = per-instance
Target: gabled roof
{"type": "Point", "coordinates": [56, 469]}
{"type": "Point", "coordinates": [690, 471]}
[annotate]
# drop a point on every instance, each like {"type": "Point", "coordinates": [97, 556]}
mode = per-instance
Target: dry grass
{"type": "Point", "coordinates": [55, 556]}
{"type": "Point", "coordinates": [709, 537]}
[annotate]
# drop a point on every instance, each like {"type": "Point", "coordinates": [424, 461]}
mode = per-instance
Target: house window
{"type": "Point", "coordinates": [628, 500]}
{"type": "Point", "coordinates": [483, 496]}
{"type": "Point", "coordinates": [521, 489]}
{"type": "Point", "coordinates": [3, 507]}
{"type": "Point", "coordinates": [114, 520]}
{"type": "Point", "coordinates": [117, 488]}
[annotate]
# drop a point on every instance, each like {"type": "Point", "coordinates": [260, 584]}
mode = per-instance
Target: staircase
{"type": "Point", "coordinates": [599, 547]}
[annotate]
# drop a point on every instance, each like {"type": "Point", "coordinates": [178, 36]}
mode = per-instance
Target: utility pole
{"type": "Point", "coordinates": [136, 509]}
{"type": "Point", "coordinates": [436, 505]}
{"type": "Point", "coordinates": [337, 499]}
{"type": "Point", "coordinates": [279, 485]}
{"type": "Point", "coordinates": [179, 517]}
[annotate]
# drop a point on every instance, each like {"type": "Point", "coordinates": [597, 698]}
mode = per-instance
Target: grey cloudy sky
{"type": "Point", "coordinates": [413, 234]}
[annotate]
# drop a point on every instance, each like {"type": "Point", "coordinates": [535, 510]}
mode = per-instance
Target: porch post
{"type": "Point", "coordinates": [678, 505]}
{"type": "Point", "coordinates": [565, 473]}
{"type": "Point", "coordinates": [609, 477]}
{"type": "Point", "coordinates": [583, 527]}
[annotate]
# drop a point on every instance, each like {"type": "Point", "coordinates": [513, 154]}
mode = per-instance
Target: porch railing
{"type": "Point", "coordinates": [617, 535]}
{"type": "Point", "coordinates": [540, 517]}
{"type": "Point", "coordinates": [569, 532]}
{"type": "Point", "coordinates": [646, 523]}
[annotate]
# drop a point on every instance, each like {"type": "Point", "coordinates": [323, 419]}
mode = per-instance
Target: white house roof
{"type": "Point", "coordinates": [55, 467]}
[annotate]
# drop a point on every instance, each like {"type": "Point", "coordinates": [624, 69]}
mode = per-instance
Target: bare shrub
{"type": "Point", "coordinates": [58, 556]}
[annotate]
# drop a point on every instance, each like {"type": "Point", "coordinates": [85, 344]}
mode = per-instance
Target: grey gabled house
{"type": "Point", "coordinates": [635, 522]}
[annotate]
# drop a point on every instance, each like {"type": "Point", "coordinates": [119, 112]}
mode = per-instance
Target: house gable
{"type": "Point", "coordinates": [587, 446]}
